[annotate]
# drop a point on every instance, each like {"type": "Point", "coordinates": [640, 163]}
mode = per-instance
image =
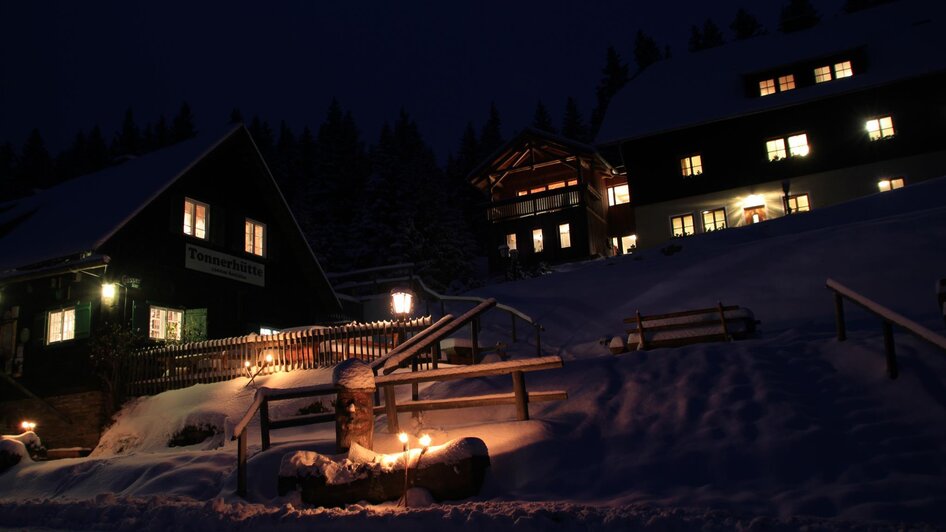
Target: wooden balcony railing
{"type": "Point", "coordinates": [533, 204]}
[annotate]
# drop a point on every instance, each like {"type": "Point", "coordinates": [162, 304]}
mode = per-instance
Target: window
{"type": "Point", "coordinates": [536, 190]}
{"type": "Point", "coordinates": [511, 241]}
{"type": "Point", "coordinates": [786, 83]}
{"type": "Point", "coordinates": [618, 195]}
{"type": "Point", "coordinates": [255, 238]}
{"type": "Point", "coordinates": [165, 323]}
{"type": "Point", "coordinates": [629, 242]}
{"type": "Point", "coordinates": [552, 186]}
{"type": "Point", "coordinates": [714, 220]}
{"type": "Point", "coordinates": [775, 149]}
{"type": "Point", "coordinates": [195, 218]}
{"type": "Point", "coordinates": [692, 165]}
{"type": "Point", "coordinates": [681, 225]}
{"type": "Point", "coordinates": [843, 70]}
{"type": "Point", "coordinates": [880, 128]}
{"type": "Point", "coordinates": [564, 236]}
{"type": "Point", "coordinates": [797, 147]}
{"type": "Point", "coordinates": [799, 203]}
{"type": "Point", "coordinates": [60, 325]}
{"type": "Point", "coordinates": [890, 184]}
{"type": "Point", "coordinates": [766, 87]}
{"type": "Point", "coordinates": [822, 74]}
{"type": "Point", "coordinates": [537, 244]}
{"type": "Point", "coordinates": [522, 193]}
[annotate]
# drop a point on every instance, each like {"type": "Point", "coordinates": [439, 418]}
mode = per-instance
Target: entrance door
{"type": "Point", "coordinates": [755, 215]}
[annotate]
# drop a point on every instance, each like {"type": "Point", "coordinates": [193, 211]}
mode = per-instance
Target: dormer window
{"type": "Point", "coordinates": [766, 87]}
{"type": "Point", "coordinates": [196, 215]}
{"type": "Point", "coordinates": [786, 83]}
{"type": "Point", "coordinates": [843, 70]}
{"type": "Point", "coordinates": [822, 74]}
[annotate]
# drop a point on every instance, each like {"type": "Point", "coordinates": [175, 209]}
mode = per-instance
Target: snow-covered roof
{"type": "Point", "coordinates": [901, 41]}
{"type": "Point", "coordinates": [79, 215]}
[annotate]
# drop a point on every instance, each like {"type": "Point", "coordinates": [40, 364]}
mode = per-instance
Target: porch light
{"type": "Point", "coordinates": [425, 441]}
{"type": "Point", "coordinates": [402, 302]}
{"type": "Point", "coordinates": [753, 200]}
{"type": "Point", "coordinates": [28, 426]}
{"type": "Point", "coordinates": [108, 292]}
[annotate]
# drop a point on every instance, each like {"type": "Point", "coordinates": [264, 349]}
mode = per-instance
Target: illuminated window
{"type": "Point", "coordinates": [255, 238]}
{"type": "Point", "coordinates": [564, 236]}
{"type": "Point", "coordinates": [537, 244]}
{"type": "Point", "coordinates": [822, 74]}
{"type": "Point", "coordinates": [880, 128]}
{"type": "Point", "coordinates": [766, 87]}
{"type": "Point", "coordinates": [692, 165]}
{"type": "Point", "coordinates": [572, 182]}
{"type": "Point", "coordinates": [511, 241]}
{"type": "Point", "coordinates": [522, 193]}
{"type": "Point", "coordinates": [60, 325]}
{"type": "Point", "coordinates": [264, 331]}
{"type": "Point", "coordinates": [195, 218]}
{"type": "Point", "coordinates": [714, 220]}
{"type": "Point", "coordinates": [681, 225]}
{"type": "Point", "coordinates": [799, 203]}
{"type": "Point", "coordinates": [890, 184]}
{"type": "Point", "coordinates": [560, 184]}
{"type": "Point", "coordinates": [798, 145]}
{"type": "Point", "coordinates": [165, 323]}
{"type": "Point", "coordinates": [843, 70]}
{"type": "Point", "coordinates": [536, 190]}
{"type": "Point", "coordinates": [775, 149]}
{"type": "Point", "coordinates": [629, 242]}
{"type": "Point", "coordinates": [618, 195]}
{"type": "Point", "coordinates": [786, 83]}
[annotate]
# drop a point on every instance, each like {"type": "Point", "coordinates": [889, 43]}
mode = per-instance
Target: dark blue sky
{"type": "Point", "coordinates": [69, 65]}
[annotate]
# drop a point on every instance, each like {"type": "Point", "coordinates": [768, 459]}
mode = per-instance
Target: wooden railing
{"type": "Point", "coordinates": [531, 204]}
{"type": "Point", "coordinates": [888, 319]}
{"type": "Point", "coordinates": [168, 367]}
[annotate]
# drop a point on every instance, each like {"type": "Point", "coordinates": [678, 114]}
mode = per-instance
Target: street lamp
{"type": "Point", "coordinates": [402, 302]}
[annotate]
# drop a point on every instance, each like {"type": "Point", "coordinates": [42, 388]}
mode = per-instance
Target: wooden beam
{"type": "Point", "coordinates": [298, 421]}
{"type": "Point", "coordinates": [475, 401]}
{"type": "Point", "coordinates": [466, 372]}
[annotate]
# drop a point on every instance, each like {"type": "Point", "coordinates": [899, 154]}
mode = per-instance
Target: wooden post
{"type": "Point", "coordinates": [390, 408]}
{"type": "Point", "coordinates": [722, 319]}
{"type": "Point", "coordinates": [839, 316]}
{"type": "Point", "coordinates": [415, 391]}
{"type": "Point", "coordinates": [241, 464]}
{"type": "Point", "coordinates": [522, 397]}
{"type": "Point", "coordinates": [264, 423]}
{"type": "Point", "coordinates": [641, 344]}
{"type": "Point", "coordinates": [891, 353]}
{"type": "Point", "coordinates": [354, 404]}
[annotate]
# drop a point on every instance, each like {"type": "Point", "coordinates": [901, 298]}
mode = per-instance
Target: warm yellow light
{"type": "Point", "coordinates": [28, 425]}
{"type": "Point", "coordinates": [883, 185]}
{"type": "Point", "coordinates": [402, 302]}
{"type": "Point", "coordinates": [753, 200]}
{"type": "Point", "coordinates": [269, 358]}
{"type": "Point", "coordinates": [246, 364]}
{"type": "Point", "coordinates": [425, 440]}
{"type": "Point", "coordinates": [402, 437]}
{"type": "Point", "coordinates": [108, 291]}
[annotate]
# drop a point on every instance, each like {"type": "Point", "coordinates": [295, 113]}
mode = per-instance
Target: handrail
{"type": "Point", "coordinates": [888, 316]}
{"type": "Point", "coordinates": [465, 372]}
{"type": "Point", "coordinates": [410, 342]}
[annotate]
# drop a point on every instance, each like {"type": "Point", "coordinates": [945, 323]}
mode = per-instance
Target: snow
{"type": "Point", "coordinates": [353, 374]}
{"type": "Point", "coordinates": [787, 430]}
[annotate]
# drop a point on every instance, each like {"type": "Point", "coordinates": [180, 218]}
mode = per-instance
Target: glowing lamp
{"type": "Point", "coordinates": [402, 437]}
{"type": "Point", "coordinates": [883, 185]}
{"type": "Point", "coordinates": [753, 200]}
{"type": "Point", "coordinates": [402, 302]}
{"type": "Point", "coordinates": [269, 358]}
{"type": "Point", "coordinates": [246, 364]}
{"type": "Point", "coordinates": [28, 426]}
{"type": "Point", "coordinates": [108, 292]}
{"type": "Point", "coordinates": [425, 441]}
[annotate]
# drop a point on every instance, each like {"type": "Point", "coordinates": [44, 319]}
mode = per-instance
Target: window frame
{"type": "Point", "coordinates": [794, 197]}
{"type": "Point", "coordinates": [62, 329]}
{"type": "Point", "coordinates": [716, 223]}
{"type": "Point", "coordinates": [190, 209]}
{"type": "Point", "coordinates": [786, 83]}
{"type": "Point", "coordinates": [823, 74]}
{"type": "Point", "coordinates": [511, 242]}
{"type": "Point", "coordinates": [165, 322]}
{"type": "Point", "coordinates": [538, 240]}
{"type": "Point", "coordinates": [846, 69]}
{"type": "Point", "coordinates": [249, 242]}
{"type": "Point", "coordinates": [767, 87]}
{"type": "Point", "coordinates": [691, 168]}
{"type": "Point", "coordinates": [613, 197]}
{"type": "Point", "coordinates": [564, 237]}
{"type": "Point", "coordinates": [683, 225]}
{"type": "Point", "coordinates": [880, 132]}
{"type": "Point", "coordinates": [784, 148]}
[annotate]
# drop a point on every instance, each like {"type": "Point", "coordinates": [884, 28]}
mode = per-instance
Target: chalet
{"type": "Point", "coordinates": [190, 242]}
{"type": "Point", "coordinates": [782, 124]}
{"type": "Point", "coordinates": [551, 199]}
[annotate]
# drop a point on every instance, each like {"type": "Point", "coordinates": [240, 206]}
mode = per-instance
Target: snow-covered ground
{"type": "Point", "coordinates": [788, 430]}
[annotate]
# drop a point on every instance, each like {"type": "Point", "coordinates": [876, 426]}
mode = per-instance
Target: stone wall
{"type": "Point", "coordinates": [84, 412]}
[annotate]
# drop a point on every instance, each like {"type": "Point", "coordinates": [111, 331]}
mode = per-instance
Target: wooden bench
{"type": "Point", "coordinates": [715, 324]}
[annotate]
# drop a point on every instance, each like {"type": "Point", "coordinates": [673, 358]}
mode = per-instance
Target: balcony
{"type": "Point", "coordinates": [543, 202]}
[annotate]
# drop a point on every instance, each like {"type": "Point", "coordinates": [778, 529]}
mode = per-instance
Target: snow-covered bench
{"type": "Point", "coordinates": [714, 324]}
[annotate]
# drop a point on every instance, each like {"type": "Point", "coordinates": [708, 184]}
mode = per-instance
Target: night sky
{"type": "Point", "coordinates": [71, 65]}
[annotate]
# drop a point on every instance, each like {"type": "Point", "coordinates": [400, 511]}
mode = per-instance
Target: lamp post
{"type": "Point", "coordinates": [402, 305]}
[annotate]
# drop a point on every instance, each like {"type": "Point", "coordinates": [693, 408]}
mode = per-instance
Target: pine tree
{"type": "Point", "coordinates": [491, 136]}
{"type": "Point", "coordinates": [712, 36]}
{"type": "Point", "coordinates": [646, 51]}
{"type": "Point", "coordinates": [613, 78]}
{"type": "Point", "coordinates": [573, 125]}
{"type": "Point", "coordinates": [745, 25]}
{"type": "Point", "coordinates": [36, 166]}
{"type": "Point", "coordinates": [128, 140]}
{"type": "Point", "coordinates": [542, 120]}
{"type": "Point", "coordinates": [70, 162]}
{"type": "Point", "coordinates": [696, 39]}
{"type": "Point", "coordinates": [182, 128]}
{"type": "Point", "coordinates": [797, 15]}
{"type": "Point", "coordinates": [8, 162]}
{"type": "Point", "coordinates": [162, 134]}
{"type": "Point", "coordinates": [263, 136]}
{"type": "Point", "coordinates": [96, 152]}
{"type": "Point", "coordinates": [236, 117]}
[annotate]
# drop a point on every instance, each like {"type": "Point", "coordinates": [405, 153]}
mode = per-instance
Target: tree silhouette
{"type": "Point", "coordinates": [646, 51]}
{"type": "Point", "coordinates": [797, 15]}
{"type": "Point", "coordinates": [745, 25]}
{"type": "Point", "coordinates": [542, 120]}
{"type": "Point", "coordinates": [182, 127]}
{"type": "Point", "coordinates": [491, 136]}
{"type": "Point", "coordinates": [573, 125]}
{"type": "Point", "coordinates": [36, 166]}
{"type": "Point", "coordinates": [613, 78]}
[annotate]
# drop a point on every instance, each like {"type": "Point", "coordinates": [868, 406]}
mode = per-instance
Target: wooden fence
{"type": "Point", "coordinates": [169, 367]}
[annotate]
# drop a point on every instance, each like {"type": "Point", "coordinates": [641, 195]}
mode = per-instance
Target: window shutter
{"type": "Point", "coordinates": [195, 324]}
{"type": "Point", "coordinates": [83, 320]}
